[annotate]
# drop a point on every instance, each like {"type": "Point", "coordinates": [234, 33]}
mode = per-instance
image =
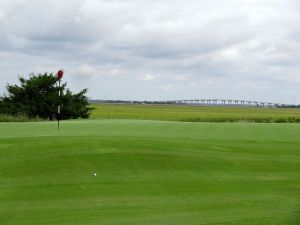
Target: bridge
{"type": "Point", "coordinates": [225, 102]}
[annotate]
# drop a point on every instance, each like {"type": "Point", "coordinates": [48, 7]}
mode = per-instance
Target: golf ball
{"type": "Point", "coordinates": [95, 174]}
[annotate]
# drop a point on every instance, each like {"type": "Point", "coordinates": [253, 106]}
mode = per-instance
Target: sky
{"type": "Point", "coordinates": [157, 49]}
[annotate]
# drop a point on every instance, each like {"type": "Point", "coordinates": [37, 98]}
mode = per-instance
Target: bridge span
{"type": "Point", "coordinates": [225, 102]}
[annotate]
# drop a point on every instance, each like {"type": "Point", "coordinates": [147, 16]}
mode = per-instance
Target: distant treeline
{"type": "Point", "coordinates": [128, 102]}
{"type": "Point", "coordinates": [289, 106]}
{"type": "Point", "coordinates": [164, 103]}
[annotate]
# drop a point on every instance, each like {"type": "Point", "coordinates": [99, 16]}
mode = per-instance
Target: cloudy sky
{"type": "Point", "coordinates": [157, 49]}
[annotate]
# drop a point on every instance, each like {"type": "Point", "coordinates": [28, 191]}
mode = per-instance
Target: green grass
{"type": "Point", "coordinates": [149, 172]}
{"type": "Point", "coordinates": [10, 118]}
{"type": "Point", "coordinates": [195, 113]}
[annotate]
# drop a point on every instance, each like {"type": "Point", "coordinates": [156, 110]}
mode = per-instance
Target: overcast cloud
{"type": "Point", "coordinates": [157, 49]}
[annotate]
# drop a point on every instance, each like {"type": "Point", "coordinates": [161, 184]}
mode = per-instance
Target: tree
{"type": "Point", "coordinates": [38, 97]}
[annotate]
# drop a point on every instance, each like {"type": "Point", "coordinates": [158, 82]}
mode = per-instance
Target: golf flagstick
{"type": "Point", "coordinates": [60, 74]}
{"type": "Point", "coordinates": [58, 107]}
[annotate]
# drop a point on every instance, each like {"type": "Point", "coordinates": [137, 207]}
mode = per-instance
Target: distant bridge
{"type": "Point", "coordinates": [225, 102]}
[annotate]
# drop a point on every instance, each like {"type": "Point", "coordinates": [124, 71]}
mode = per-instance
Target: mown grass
{"type": "Point", "coordinates": [149, 173]}
{"type": "Point", "coordinates": [195, 113]}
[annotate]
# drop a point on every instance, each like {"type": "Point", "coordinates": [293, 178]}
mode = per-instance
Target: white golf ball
{"type": "Point", "coordinates": [95, 174]}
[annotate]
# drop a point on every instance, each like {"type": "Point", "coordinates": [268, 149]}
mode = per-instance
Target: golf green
{"type": "Point", "coordinates": [95, 172]}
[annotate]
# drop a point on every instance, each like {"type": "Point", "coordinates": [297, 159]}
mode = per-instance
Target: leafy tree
{"type": "Point", "coordinates": [38, 97]}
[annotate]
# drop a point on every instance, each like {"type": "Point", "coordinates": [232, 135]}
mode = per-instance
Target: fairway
{"type": "Point", "coordinates": [149, 172]}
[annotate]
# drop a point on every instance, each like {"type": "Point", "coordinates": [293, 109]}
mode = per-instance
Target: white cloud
{"type": "Point", "coordinates": [115, 72]}
{"type": "Point", "coordinates": [181, 77]}
{"type": "Point", "coordinates": [270, 50]}
{"type": "Point", "coordinates": [147, 77]}
{"type": "Point", "coordinates": [227, 54]}
{"type": "Point", "coordinates": [87, 70]}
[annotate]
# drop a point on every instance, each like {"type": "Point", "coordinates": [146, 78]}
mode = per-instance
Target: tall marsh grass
{"type": "Point", "coordinates": [195, 113]}
{"type": "Point", "coordinates": [9, 118]}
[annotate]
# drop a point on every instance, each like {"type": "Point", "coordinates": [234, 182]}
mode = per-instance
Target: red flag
{"type": "Point", "coordinates": [60, 74]}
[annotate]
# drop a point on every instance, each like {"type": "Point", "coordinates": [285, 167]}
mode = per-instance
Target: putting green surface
{"type": "Point", "coordinates": [149, 172]}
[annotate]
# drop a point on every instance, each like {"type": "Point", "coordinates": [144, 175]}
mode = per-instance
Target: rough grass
{"type": "Point", "coordinates": [149, 172]}
{"type": "Point", "coordinates": [9, 118]}
{"type": "Point", "coordinates": [195, 113]}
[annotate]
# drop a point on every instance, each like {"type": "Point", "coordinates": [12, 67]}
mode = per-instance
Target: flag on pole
{"type": "Point", "coordinates": [60, 74]}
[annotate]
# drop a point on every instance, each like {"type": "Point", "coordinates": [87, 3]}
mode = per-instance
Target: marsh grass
{"type": "Point", "coordinates": [9, 118]}
{"type": "Point", "coordinates": [195, 113]}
